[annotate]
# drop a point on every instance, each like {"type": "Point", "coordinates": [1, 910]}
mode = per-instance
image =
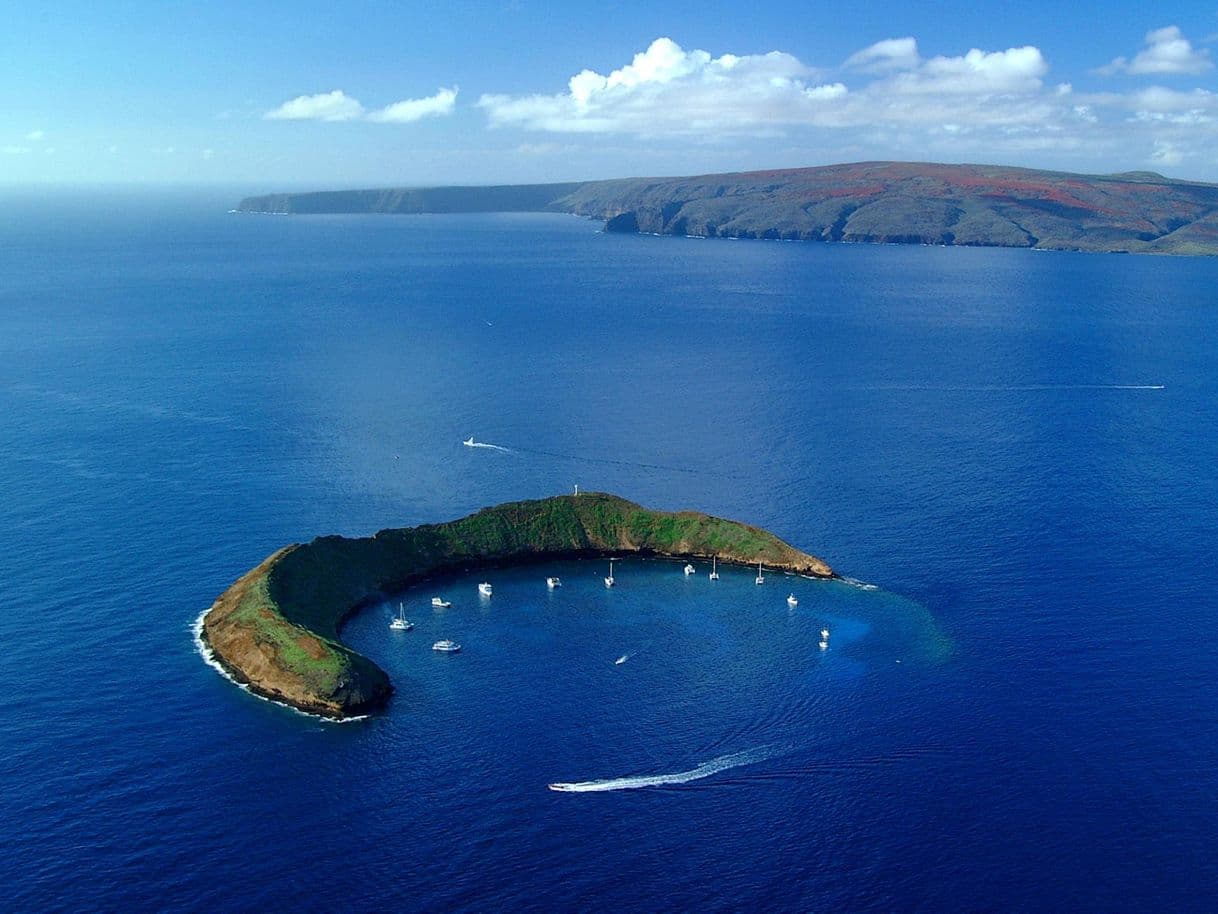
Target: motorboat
{"type": "Point", "coordinates": [440, 603]}
{"type": "Point", "coordinates": [484, 589]}
{"type": "Point", "coordinates": [609, 582]}
{"type": "Point", "coordinates": [689, 569]}
{"type": "Point", "coordinates": [760, 576]}
{"type": "Point", "coordinates": [714, 574]}
{"type": "Point", "coordinates": [470, 442]}
{"type": "Point", "coordinates": [553, 582]}
{"type": "Point", "coordinates": [824, 634]}
{"type": "Point", "coordinates": [791, 601]}
{"type": "Point", "coordinates": [823, 645]}
{"type": "Point", "coordinates": [400, 622]}
{"type": "Point", "coordinates": [445, 646]}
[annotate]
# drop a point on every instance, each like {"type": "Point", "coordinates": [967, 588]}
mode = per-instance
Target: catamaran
{"type": "Point", "coordinates": [609, 577]}
{"type": "Point", "coordinates": [760, 576]}
{"type": "Point", "coordinates": [714, 575]}
{"type": "Point", "coordinates": [401, 623]}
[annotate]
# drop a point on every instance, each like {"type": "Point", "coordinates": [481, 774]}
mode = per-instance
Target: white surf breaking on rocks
{"type": "Point", "coordinates": [209, 657]}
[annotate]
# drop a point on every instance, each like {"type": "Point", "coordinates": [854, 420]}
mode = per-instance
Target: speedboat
{"type": "Point", "coordinates": [440, 603]}
{"type": "Point", "coordinates": [823, 645]}
{"type": "Point", "coordinates": [714, 575]}
{"type": "Point", "coordinates": [401, 623]}
{"type": "Point", "coordinates": [609, 577]}
{"type": "Point", "coordinates": [485, 589]}
{"type": "Point", "coordinates": [689, 569]}
{"type": "Point", "coordinates": [469, 442]}
{"type": "Point", "coordinates": [760, 576]}
{"type": "Point", "coordinates": [791, 601]}
{"type": "Point", "coordinates": [446, 646]}
{"type": "Point", "coordinates": [824, 634]}
{"type": "Point", "coordinates": [553, 582]}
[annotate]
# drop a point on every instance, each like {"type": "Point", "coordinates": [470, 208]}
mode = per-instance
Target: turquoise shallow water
{"type": "Point", "coordinates": [183, 391]}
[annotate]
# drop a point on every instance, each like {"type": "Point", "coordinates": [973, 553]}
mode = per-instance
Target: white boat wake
{"type": "Point", "coordinates": [999, 388]}
{"type": "Point", "coordinates": [470, 442]}
{"type": "Point", "coordinates": [705, 770]}
{"type": "Point", "coordinates": [861, 585]}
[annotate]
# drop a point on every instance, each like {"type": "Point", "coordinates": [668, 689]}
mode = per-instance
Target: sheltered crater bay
{"type": "Point", "coordinates": [276, 628]}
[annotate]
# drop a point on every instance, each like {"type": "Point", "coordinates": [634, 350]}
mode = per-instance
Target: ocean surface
{"type": "Point", "coordinates": [1016, 449]}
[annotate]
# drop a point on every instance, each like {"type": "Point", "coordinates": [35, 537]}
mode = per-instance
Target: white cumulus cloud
{"type": "Point", "coordinates": [413, 109]}
{"type": "Point", "coordinates": [668, 90]}
{"type": "Point", "coordinates": [1167, 51]}
{"type": "Point", "coordinates": [977, 72]}
{"type": "Point", "coordinates": [35, 135]}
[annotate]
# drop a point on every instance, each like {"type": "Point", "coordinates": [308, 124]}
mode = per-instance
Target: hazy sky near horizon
{"type": "Point", "coordinates": [361, 94]}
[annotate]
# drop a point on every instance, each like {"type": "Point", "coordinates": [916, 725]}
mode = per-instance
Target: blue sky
{"type": "Point", "coordinates": [285, 96]}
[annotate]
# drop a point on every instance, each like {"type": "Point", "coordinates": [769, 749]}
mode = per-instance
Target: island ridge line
{"type": "Point", "coordinates": [276, 629]}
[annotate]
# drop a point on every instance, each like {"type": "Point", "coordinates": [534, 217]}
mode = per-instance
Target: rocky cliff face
{"type": "Point", "coordinates": [276, 628]}
{"type": "Point", "coordinates": [909, 203]}
{"type": "Point", "coordinates": [887, 202]}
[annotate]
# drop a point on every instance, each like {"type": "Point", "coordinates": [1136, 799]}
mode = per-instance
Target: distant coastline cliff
{"type": "Point", "coordinates": [882, 202]}
{"type": "Point", "coordinates": [276, 629]}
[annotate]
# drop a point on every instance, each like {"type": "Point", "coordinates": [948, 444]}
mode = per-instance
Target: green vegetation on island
{"type": "Point", "coordinates": [277, 627]}
{"type": "Point", "coordinates": [880, 202]}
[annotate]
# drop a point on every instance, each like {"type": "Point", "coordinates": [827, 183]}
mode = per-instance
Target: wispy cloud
{"type": "Point", "coordinates": [325, 106]}
{"type": "Point", "coordinates": [35, 136]}
{"type": "Point", "coordinates": [889, 54]}
{"type": "Point", "coordinates": [338, 106]}
{"type": "Point", "coordinates": [414, 109]}
{"type": "Point", "coordinates": [15, 150]}
{"type": "Point", "coordinates": [1167, 51]}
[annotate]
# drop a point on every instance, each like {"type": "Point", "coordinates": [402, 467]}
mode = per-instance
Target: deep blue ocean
{"type": "Point", "coordinates": [1017, 449]}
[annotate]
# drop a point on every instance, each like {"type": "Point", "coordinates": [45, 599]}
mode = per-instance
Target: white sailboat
{"type": "Point", "coordinates": [714, 575]}
{"type": "Point", "coordinates": [401, 623]}
{"type": "Point", "coordinates": [609, 577]}
{"type": "Point", "coordinates": [760, 576]}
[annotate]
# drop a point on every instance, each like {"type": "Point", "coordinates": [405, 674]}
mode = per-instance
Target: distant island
{"type": "Point", "coordinates": [879, 202]}
{"type": "Point", "coordinates": [276, 629]}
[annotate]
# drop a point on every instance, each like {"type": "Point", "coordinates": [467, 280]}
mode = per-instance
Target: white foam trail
{"type": "Point", "coordinates": [1012, 387]}
{"type": "Point", "coordinates": [209, 657]}
{"type": "Point", "coordinates": [493, 447]}
{"type": "Point", "coordinates": [705, 770]}
{"type": "Point", "coordinates": [861, 585]}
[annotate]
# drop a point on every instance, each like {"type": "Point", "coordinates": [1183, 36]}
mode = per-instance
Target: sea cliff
{"type": "Point", "coordinates": [878, 202]}
{"type": "Point", "coordinates": [276, 628]}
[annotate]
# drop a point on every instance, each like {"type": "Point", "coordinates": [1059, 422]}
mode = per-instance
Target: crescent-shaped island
{"type": "Point", "coordinates": [276, 628]}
